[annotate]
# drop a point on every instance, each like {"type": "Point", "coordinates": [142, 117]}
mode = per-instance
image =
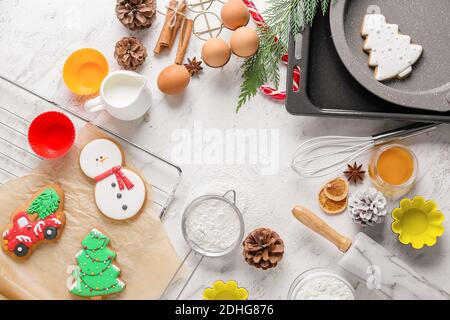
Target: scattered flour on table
{"type": "Point", "coordinates": [213, 225]}
{"type": "Point", "coordinates": [324, 288]}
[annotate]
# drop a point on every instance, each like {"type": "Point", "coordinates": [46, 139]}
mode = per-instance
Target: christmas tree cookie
{"type": "Point", "coordinates": [390, 52]}
{"type": "Point", "coordinates": [96, 275]}
{"type": "Point", "coordinates": [39, 219]}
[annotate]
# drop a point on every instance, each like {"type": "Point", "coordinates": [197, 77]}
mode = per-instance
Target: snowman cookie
{"type": "Point", "coordinates": [119, 192]}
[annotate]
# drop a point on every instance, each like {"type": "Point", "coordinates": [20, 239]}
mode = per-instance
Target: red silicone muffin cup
{"type": "Point", "coordinates": [51, 134]}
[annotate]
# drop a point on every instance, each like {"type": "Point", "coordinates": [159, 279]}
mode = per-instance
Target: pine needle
{"type": "Point", "coordinates": [310, 10]}
{"type": "Point", "coordinates": [324, 6]}
{"type": "Point", "coordinates": [253, 76]}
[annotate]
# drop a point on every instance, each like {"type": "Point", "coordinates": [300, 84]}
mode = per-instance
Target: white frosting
{"type": "Point", "coordinates": [97, 157]}
{"type": "Point", "coordinates": [111, 206]}
{"type": "Point", "coordinates": [390, 52]}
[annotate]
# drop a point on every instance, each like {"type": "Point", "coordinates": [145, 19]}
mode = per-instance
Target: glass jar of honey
{"type": "Point", "coordinates": [393, 169]}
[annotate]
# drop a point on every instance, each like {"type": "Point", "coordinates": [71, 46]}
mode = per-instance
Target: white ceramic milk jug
{"type": "Point", "coordinates": [123, 94]}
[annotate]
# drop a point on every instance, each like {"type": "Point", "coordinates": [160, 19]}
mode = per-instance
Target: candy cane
{"type": "Point", "coordinates": [259, 19]}
{"type": "Point", "coordinates": [266, 89]}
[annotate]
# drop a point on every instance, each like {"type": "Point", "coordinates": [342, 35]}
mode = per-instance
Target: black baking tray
{"type": "Point", "coordinates": [328, 89]}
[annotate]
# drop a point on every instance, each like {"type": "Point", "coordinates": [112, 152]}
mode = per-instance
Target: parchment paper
{"type": "Point", "coordinates": [144, 253]}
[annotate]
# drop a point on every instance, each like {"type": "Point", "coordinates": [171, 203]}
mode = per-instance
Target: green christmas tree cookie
{"type": "Point", "coordinates": [96, 274]}
{"type": "Point", "coordinates": [45, 204]}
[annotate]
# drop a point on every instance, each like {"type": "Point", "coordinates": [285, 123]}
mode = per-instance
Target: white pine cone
{"type": "Point", "coordinates": [367, 207]}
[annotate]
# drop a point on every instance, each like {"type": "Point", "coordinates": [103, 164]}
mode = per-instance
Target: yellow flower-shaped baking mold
{"type": "Point", "coordinates": [225, 291]}
{"type": "Point", "coordinates": [417, 222]}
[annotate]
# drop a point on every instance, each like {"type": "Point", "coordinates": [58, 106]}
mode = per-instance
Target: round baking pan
{"type": "Point", "coordinates": [427, 22]}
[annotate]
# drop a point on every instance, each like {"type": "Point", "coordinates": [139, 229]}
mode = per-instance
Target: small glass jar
{"type": "Point", "coordinates": [313, 273]}
{"type": "Point", "coordinates": [389, 189]}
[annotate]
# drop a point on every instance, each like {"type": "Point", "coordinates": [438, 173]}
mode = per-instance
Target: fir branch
{"type": "Point", "coordinates": [310, 9]}
{"type": "Point", "coordinates": [283, 17]}
{"type": "Point", "coordinates": [296, 25]}
{"type": "Point", "coordinates": [253, 76]}
{"type": "Point", "coordinates": [324, 6]}
{"type": "Point", "coordinates": [262, 67]}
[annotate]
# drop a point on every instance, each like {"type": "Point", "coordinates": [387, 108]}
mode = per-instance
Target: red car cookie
{"type": "Point", "coordinates": [40, 219]}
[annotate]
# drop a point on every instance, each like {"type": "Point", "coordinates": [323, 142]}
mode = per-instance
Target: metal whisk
{"type": "Point", "coordinates": [344, 149]}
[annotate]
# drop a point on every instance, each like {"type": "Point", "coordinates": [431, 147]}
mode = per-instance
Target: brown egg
{"type": "Point", "coordinates": [173, 79]}
{"type": "Point", "coordinates": [244, 42]}
{"type": "Point", "coordinates": [234, 14]}
{"type": "Point", "coordinates": [216, 52]}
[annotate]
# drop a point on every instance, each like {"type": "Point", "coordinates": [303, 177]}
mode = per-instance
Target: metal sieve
{"type": "Point", "coordinates": [196, 248]}
{"type": "Point", "coordinates": [190, 209]}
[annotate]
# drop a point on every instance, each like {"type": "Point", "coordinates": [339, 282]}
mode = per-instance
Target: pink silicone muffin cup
{"type": "Point", "coordinates": [51, 135]}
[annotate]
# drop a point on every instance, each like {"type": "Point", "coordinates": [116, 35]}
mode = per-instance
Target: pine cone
{"type": "Point", "coordinates": [136, 14]}
{"type": "Point", "coordinates": [130, 53]}
{"type": "Point", "coordinates": [367, 207]}
{"type": "Point", "coordinates": [263, 248]}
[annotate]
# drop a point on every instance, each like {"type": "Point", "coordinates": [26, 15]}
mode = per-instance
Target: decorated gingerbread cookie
{"type": "Point", "coordinates": [119, 192]}
{"type": "Point", "coordinates": [95, 276]}
{"type": "Point", "coordinates": [390, 52]}
{"type": "Point", "coordinates": [38, 220]}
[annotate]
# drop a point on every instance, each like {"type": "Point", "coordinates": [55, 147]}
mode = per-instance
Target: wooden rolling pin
{"type": "Point", "coordinates": [371, 263]}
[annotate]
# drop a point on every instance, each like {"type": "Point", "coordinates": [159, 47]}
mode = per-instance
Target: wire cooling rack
{"type": "Point", "coordinates": [17, 159]}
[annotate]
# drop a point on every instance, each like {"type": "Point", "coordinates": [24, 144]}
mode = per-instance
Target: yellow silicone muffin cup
{"type": "Point", "coordinates": [417, 222]}
{"type": "Point", "coordinates": [225, 291]}
{"type": "Point", "coordinates": [84, 71]}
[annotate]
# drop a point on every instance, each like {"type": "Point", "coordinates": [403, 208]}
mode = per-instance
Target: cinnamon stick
{"type": "Point", "coordinates": [183, 42]}
{"type": "Point", "coordinates": [166, 31]}
{"type": "Point", "coordinates": [177, 26]}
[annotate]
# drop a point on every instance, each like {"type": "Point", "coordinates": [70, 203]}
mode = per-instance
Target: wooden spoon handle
{"type": "Point", "coordinates": [309, 219]}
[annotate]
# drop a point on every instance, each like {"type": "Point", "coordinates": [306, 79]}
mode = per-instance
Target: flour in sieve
{"type": "Point", "coordinates": [213, 225]}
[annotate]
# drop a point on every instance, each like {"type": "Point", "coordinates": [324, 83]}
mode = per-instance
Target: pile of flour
{"type": "Point", "coordinates": [324, 287]}
{"type": "Point", "coordinates": [213, 225]}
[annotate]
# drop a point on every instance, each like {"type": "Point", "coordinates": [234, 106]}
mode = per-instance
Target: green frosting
{"type": "Point", "coordinates": [45, 204]}
{"type": "Point", "coordinates": [97, 275]}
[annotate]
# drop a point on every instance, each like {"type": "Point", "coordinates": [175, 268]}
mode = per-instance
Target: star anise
{"type": "Point", "coordinates": [193, 66]}
{"type": "Point", "coordinates": [354, 173]}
